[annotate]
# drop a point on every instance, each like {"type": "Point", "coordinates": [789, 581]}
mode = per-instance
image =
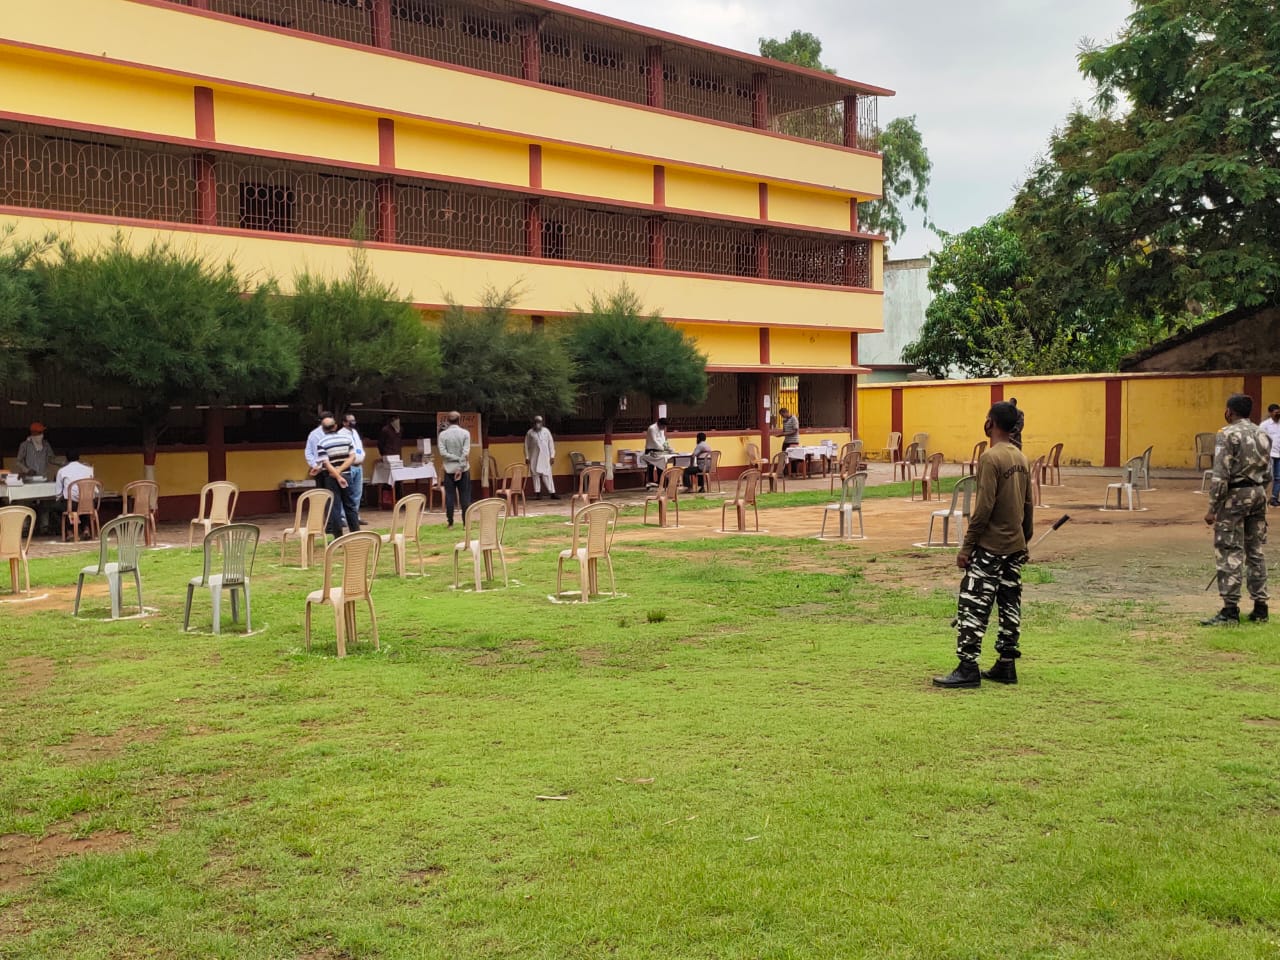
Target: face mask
{"type": "Point", "coordinates": [37, 441]}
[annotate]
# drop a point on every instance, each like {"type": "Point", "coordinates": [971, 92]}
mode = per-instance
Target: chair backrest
{"type": "Point", "coordinates": [218, 501]}
{"type": "Point", "coordinates": [713, 465]}
{"type": "Point", "coordinates": [1037, 467]}
{"type": "Point", "coordinates": [935, 466]}
{"type": "Point", "coordinates": [849, 461]}
{"type": "Point", "coordinates": [979, 449]}
{"type": "Point", "coordinates": [962, 495]}
{"type": "Point", "coordinates": [313, 511]}
{"type": "Point", "coordinates": [922, 439]}
{"type": "Point", "coordinates": [853, 446]}
{"type": "Point", "coordinates": [894, 441]}
{"type": "Point", "coordinates": [851, 488]}
{"type": "Point", "coordinates": [407, 516]}
{"type": "Point", "coordinates": [590, 481]}
{"type": "Point", "coordinates": [489, 469]}
{"type": "Point", "coordinates": [145, 495]}
{"type": "Point", "coordinates": [578, 461]}
{"type": "Point", "coordinates": [130, 533]}
{"type": "Point", "coordinates": [237, 545]}
{"type": "Point", "coordinates": [514, 476]}
{"type": "Point", "coordinates": [84, 495]}
{"type": "Point", "coordinates": [1205, 444]}
{"type": "Point", "coordinates": [779, 463]}
{"type": "Point", "coordinates": [912, 452]}
{"type": "Point", "coordinates": [669, 485]}
{"type": "Point", "coordinates": [593, 528]}
{"type": "Point", "coordinates": [1055, 454]}
{"type": "Point", "coordinates": [1133, 466]}
{"type": "Point", "coordinates": [14, 522]}
{"type": "Point", "coordinates": [486, 520]}
{"type": "Point", "coordinates": [358, 554]}
{"type": "Point", "coordinates": [748, 484]}
{"type": "Point", "coordinates": [1146, 461]}
{"type": "Point", "coordinates": [753, 453]}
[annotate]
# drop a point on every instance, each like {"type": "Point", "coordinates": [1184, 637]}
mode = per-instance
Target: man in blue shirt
{"type": "Point", "coordinates": [357, 466]}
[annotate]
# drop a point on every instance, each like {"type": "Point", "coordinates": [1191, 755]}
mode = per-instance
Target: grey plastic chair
{"type": "Point", "coordinates": [1127, 486]}
{"type": "Point", "coordinates": [961, 507]}
{"type": "Point", "coordinates": [237, 544]}
{"type": "Point", "coordinates": [130, 533]}
{"type": "Point", "coordinates": [1143, 475]}
{"type": "Point", "coordinates": [851, 488]}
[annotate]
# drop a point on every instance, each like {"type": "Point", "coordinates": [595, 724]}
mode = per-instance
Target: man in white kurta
{"type": "Point", "coordinates": [540, 452]}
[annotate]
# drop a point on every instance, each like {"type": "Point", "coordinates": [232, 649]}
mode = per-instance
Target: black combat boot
{"type": "Point", "coordinates": [1227, 615]}
{"type": "Point", "coordinates": [1259, 612]}
{"type": "Point", "coordinates": [965, 675]}
{"type": "Point", "coordinates": [1002, 671]}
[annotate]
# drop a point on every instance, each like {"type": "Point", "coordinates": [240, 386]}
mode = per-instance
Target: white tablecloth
{"type": "Point", "coordinates": [385, 474]}
{"type": "Point", "coordinates": [799, 453]}
{"type": "Point", "coordinates": [27, 491]}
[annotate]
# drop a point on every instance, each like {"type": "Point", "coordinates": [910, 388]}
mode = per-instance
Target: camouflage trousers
{"type": "Point", "coordinates": [990, 579]}
{"type": "Point", "coordinates": [1238, 538]}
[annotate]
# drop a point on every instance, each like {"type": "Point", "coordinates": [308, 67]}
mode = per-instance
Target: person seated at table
{"type": "Point", "coordinates": [34, 454]}
{"type": "Point", "coordinates": [65, 487]}
{"type": "Point", "coordinates": [698, 465]}
{"type": "Point", "coordinates": [655, 442]}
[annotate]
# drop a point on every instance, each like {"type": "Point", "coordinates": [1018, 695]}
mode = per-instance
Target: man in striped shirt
{"type": "Point", "coordinates": [335, 455]}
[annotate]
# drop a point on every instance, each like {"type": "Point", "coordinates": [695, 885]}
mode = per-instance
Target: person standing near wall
{"type": "Point", "coordinates": [1271, 427]}
{"type": "Point", "coordinates": [1238, 511]}
{"type": "Point", "coordinates": [390, 440]}
{"type": "Point", "coordinates": [454, 442]}
{"type": "Point", "coordinates": [790, 435]}
{"type": "Point", "coordinates": [335, 456]}
{"type": "Point", "coordinates": [1015, 435]}
{"type": "Point", "coordinates": [540, 452]}
{"type": "Point", "coordinates": [357, 465]}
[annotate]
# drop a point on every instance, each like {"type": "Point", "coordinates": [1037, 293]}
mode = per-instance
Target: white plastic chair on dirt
{"type": "Point", "coordinates": [1143, 476]}
{"type": "Point", "coordinates": [666, 496]}
{"type": "Point", "coordinates": [237, 546]}
{"type": "Point", "coordinates": [957, 514]}
{"type": "Point", "coordinates": [851, 488]}
{"type": "Point", "coordinates": [142, 497]}
{"type": "Point", "coordinates": [893, 447]}
{"type": "Point", "coordinates": [406, 528]}
{"type": "Point", "coordinates": [1036, 471]}
{"type": "Point", "coordinates": [590, 483]}
{"type": "Point", "coordinates": [971, 468]}
{"type": "Point", "coordinates": [511, 489]}
{"type": "Point", "coordinates": [130, 533]}
{"type": "Point", "coordinates": [217, 507]}
{"type": "Point", "coordinates": [593, 529]}
{"type": "Point", "coordinates": [1126, 487]}
{"type": "Point", "coordinates": [753, 457]}
{"type": "Point", "coordinates": [921, 442]}
{"type": "Point", "coordinates": [744, 495]}
{"type": "Point", "coordinates": [83, 499]}
{"type": "Point", "coordinates": [1205, 445]}
{"type": "Point", "coordinates": [905, 468]}
{"type": "Point", "coordinates": [1053, 467]}
{"type": "Point", "coordinates": [850, 462]}
{"type": "Point", "coordinates": [357, 556]}
{"type": "Point", "coordinates": [310, 518]}
{"type": "Point", "coordinates": [482, 531]}
{"type": "Point", "coordinates": [709, 470]}
{"type": "Point", "coordinates": [930, 479]}
{"type": "Point", "coordinates": [17, 526]}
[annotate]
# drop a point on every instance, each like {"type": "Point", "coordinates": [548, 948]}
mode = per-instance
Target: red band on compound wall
{"type": "Point", "coordinates": [764, 347]}
{"type": "Point", "coordinates": [1253, 387]}
{"type": "Point", "coordinates": [895, 410]}
{"type": "Point", "coordinates": [386, 143]}
{"type": "Point", "coordinates": [997, 393]}
{"type": "Point", "coordinates": [1114, 415]}
{"type": "Point", "coordinates": [204, 114]}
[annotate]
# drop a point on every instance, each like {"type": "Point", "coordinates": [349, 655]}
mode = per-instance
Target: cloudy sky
{"type": "Point", "coordinates": [987, 81]}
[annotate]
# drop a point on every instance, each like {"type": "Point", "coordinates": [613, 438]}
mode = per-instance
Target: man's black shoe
{"type": "Point", "coordinates": [1002, 671]}
{"type": "Point", "coordinates": [966, 674]}
{"type": "Point", "coordinates": [1224, 616]}
{"type": "Point", "coordinates": [555, 496]}
{"type": "Point", "coordinates": [1259, 612]}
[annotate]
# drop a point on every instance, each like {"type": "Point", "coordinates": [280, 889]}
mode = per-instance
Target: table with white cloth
{"type": "Point", "coordinates": [663, 459]}
{"type": "Point", "coordinates": [823, 454]}
{"type": "Point", "coordinates": [16, 493]}
{"type": "Point", "coordinates": [387, 475]}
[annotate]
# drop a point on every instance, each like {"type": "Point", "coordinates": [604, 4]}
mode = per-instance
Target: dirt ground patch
{"type": "Point", "coordinates": [31, 675]}
{"type": "Point", "coordinates": [24, 859]}
{"type": "Point", "coordinates": [87, 746]}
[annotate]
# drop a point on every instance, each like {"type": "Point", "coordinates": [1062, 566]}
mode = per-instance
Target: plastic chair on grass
{"type": "Point", "coordinates": [511, 489]}
{"type": "Point", "coordinates": [83, 498]}
{"type": "Point", "coordinates": [1205, 445]}
{"type": "Point", "coordinates": [776, 475]}
{"type": "Point", "coordinates": [851, 488]}
{"type": "Point", "coordinates": [905, 469]}
{"type": "Point", "coordinates": [1127, 485]}
{"type": "Point", "coordinates": [590, 481]}
{"type": "Point", "coordinates": [667, 495]}
{"type": "Point", "coordinates": [435, 490]}
{"type": "Point", "coordinates": [357, 555]}
{"type": "Point", "coordinates": [309, 521]}
{"type": "Point", "coordinates": [217, 507]}
{"type": "Point", "coordinates": [145, 495]}
{"type": "Point", "coordinates": [961, 507]}
{"type": "Point", "coordinates": [593, 529]}
{"type": "Point", "coordinates": [710, 470]}
{"type": "Point", "coordinates": [744, 495]}
{"type": "Point", "coordinates": [237, 544]}
{"type": "Point", "coordinates": [929, 480]}
{"type": "Point", "coordinates": [1053, 467]}
{"type": "Point", "coordinates": [17, 526]}
{"type": "Point", "coordinates": [130, 533]}
{"type": "Point", "coordinates": [850, 463]}
{"type": "Point", "coordinates": [482, 531]}
{"type": "Point", "coordinates": [971, 468]}
{"type": "Point", "coordinates": [406, 528]}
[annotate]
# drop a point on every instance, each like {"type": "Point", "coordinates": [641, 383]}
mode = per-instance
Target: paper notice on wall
{"type": "Point", "coordinates": [662, 410]}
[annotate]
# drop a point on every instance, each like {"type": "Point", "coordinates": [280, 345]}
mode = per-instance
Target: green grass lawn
{"type": "Point", "coordinates": [752, 761]}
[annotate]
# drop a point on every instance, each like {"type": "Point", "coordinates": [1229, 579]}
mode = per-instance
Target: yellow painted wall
{"type": "Point", "coordinates": [116, 469]}
{"type": "Point", "coordinates": [265, 469]}
{"type": "Point", "coordinates": [1070, 412]}
{"type": "Point", "coordinates": [1167, 413]}
{"type": "Point", "coordinates": [455, 153]}
{"type": "Point", "coordinates": [875, 416]}
{"type": "Point", "coordinates": [548, 286]}
{"type": "Point", "coordinates": [287, 126]}
{"type": "Point", "coordinates": [64, 89]}
{"type": "Point", "coordinates": [692, 190]}
{"type": "Point", "coordinates": [730, 345]}
{"type": "Point", "coordinates": [788, 205]}
{"type": "Point", "coordinates": [808, 348]}
{"type": "Point", "coordinates": [181, 473]}
{"type": "Point", "coordinates": [1270, 395]}
{"type": "Point", "coordinates": [596, 175]}
{"type": "Point", "coordinates": [952, 415]}
{"type": "Point", "coordinates": [877, 265]}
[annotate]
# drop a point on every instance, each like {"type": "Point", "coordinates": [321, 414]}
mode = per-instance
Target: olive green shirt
{"type": "Point", "coordinates": [1002, 518]}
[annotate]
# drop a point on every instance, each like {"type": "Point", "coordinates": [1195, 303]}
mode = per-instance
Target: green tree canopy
{"type": "Point", "coordinates": [22, 324]}
{"type": "Point", "coordinates": [168, 326]}
{"type": "Point", "coordinates": [360, 340]}
{"type": "Point", "coordinates": [499, 369]}
{"type": "Point", "coordinates": [619, 349]}
{"type": "Point", "coordinates": [906, 163]}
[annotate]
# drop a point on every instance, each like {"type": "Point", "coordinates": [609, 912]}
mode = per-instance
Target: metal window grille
{"type": "Point", "coordinates": [701, 246]}
{"type": "Point", "coordinates": [483, 38]}
{"type": "Point", "coordinates": [285, 197]}
{"type": "Point", "coordinates": [458, 218]}
{"type": "Point", "coordinates": [813, 259]}
{"type": "Point", "coordinates": [349, 20]}
{"type": "Point", "coordinates": [730, 405]}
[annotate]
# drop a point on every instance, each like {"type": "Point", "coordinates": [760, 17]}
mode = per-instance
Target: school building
{"type": "Point", "coordinates": [483, 144]}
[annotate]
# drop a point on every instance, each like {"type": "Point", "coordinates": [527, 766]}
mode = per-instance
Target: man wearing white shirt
{"type": "Point", "coordinates": [357, 468]}
{"type": "Point", "coordinates": [312, 450]}
{"type": "Point", "coordinates": [655, 441]}
{"type": "Point", "coordinates": [65, 486]}
{"type": "Point", "coordinates": [1271, 427]}
{"type": "Point", "coordinates": [540, 453]}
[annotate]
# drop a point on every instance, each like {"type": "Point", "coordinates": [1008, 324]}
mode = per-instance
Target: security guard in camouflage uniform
{"type": "Point", "coordinates": [1238, 511]}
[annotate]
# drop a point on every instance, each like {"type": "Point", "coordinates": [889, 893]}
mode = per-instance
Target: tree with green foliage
{"type": "Point", "coordinates": [21, 320]}
{"type": "Point", "coordinates": [620, 349]}
{"type": "Point", "coordinates": [360, 340]}
{"type": "Point", "coordinates": [167, 326]}
{"type": "Point", "coordinates": [499, 369]}
{"type": "Point", "coordinates": [906, 164]}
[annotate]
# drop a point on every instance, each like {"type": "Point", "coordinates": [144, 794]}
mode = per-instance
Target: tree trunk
{"type": "Point", "coordinates": [486, 482]}
{"type": "Point", "coordinates": [608, 454]}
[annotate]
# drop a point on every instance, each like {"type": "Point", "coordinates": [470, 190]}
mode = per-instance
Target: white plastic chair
{"type": "Point", "coordinates": [217, 507]}
{"type": "Point", "coordinates": [1126, 486]}
{"type": "Point", "coordinates": [17, 526]}
{"type": "Point", "coordinates": [309, 521]}
{"type": "Point", "coordinates": [744, 495]}
{"type": "Point", "coordinates": [482, 530]}
{"type": "Point", "coordinates": [237, 543]}
{"type": "Point", "coordinates": [961, 507]}
{"type": "Point", "coordinates": [851, 488]}
{"type": "Point", "coordinates": [589, 546]}
{"type": "Point", "coordinates": [130, 532]}
{"type": "Point", "coordinates": [357, 553]}
{"type": "Point", "coordinates": [406, 528]}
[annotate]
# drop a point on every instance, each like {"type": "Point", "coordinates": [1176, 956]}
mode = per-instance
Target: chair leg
{"type": "Point", "coordinates": [417, 545]}
{"type": "Point", "coordinates": [75, 611]}
{"type": "Point", "coordinates": [373, 621]}
{"type": "Point", "coordinates": [186, 609]}
{"type": "Point", "coordinates": [475, 566]}
{"type": "Point", "coordinates": [488, 565]}
{"type": "Point", "coordinates": [339, 627]}
{"type": "Point", "coordinates": [215, 599]}
{"type": "Point", "coordinates": [306, 627]}
{"type": "Point", "coordinates": [137, 582]}
{"type": "Point", "coordinates": [248, 610]}
{"type": "Point", "coordinates": [584, 579]}
{"type": "Point", "coordinates": [455, 568]}
{"type": "Point", "coordinates": [235, 605]}
{"type": "Point", "coordinates": [502, 558]}
{"type": "Point", "coordinates": [113, 588]}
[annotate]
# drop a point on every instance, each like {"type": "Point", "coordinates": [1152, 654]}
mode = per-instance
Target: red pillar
{"type": "Point", "coordinates": [380, 20]}
{"type": "Point", "coordinates": [530, 50]}
{"type": "Point", "coordinates": [997, 393]}
{"type": "Point", "coordinates": [762, 254]}
{"type": "Point", "coordinates": [386, 232]}
{"type": "Point", "coordinates": [760, 101]}
{"type": "Point", "coordinates": [895, 412]}
{"type": "Point", "coordinates": [657, 243]}
{"type": "Point", "coordinates": [851, 120]}
{"type": "Point", "coordinates": [533, 228]}
{"type": "Point", "coordinates": [762, 415]}
{"type": "Point", "coordinates": [655, 89]}
{"type": "Point", "coordinates": [1114, 417]}
{"type": "Point", "coordinates": [1253, 387]}
{"type": "Point", "coordinates": [206, 190]}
